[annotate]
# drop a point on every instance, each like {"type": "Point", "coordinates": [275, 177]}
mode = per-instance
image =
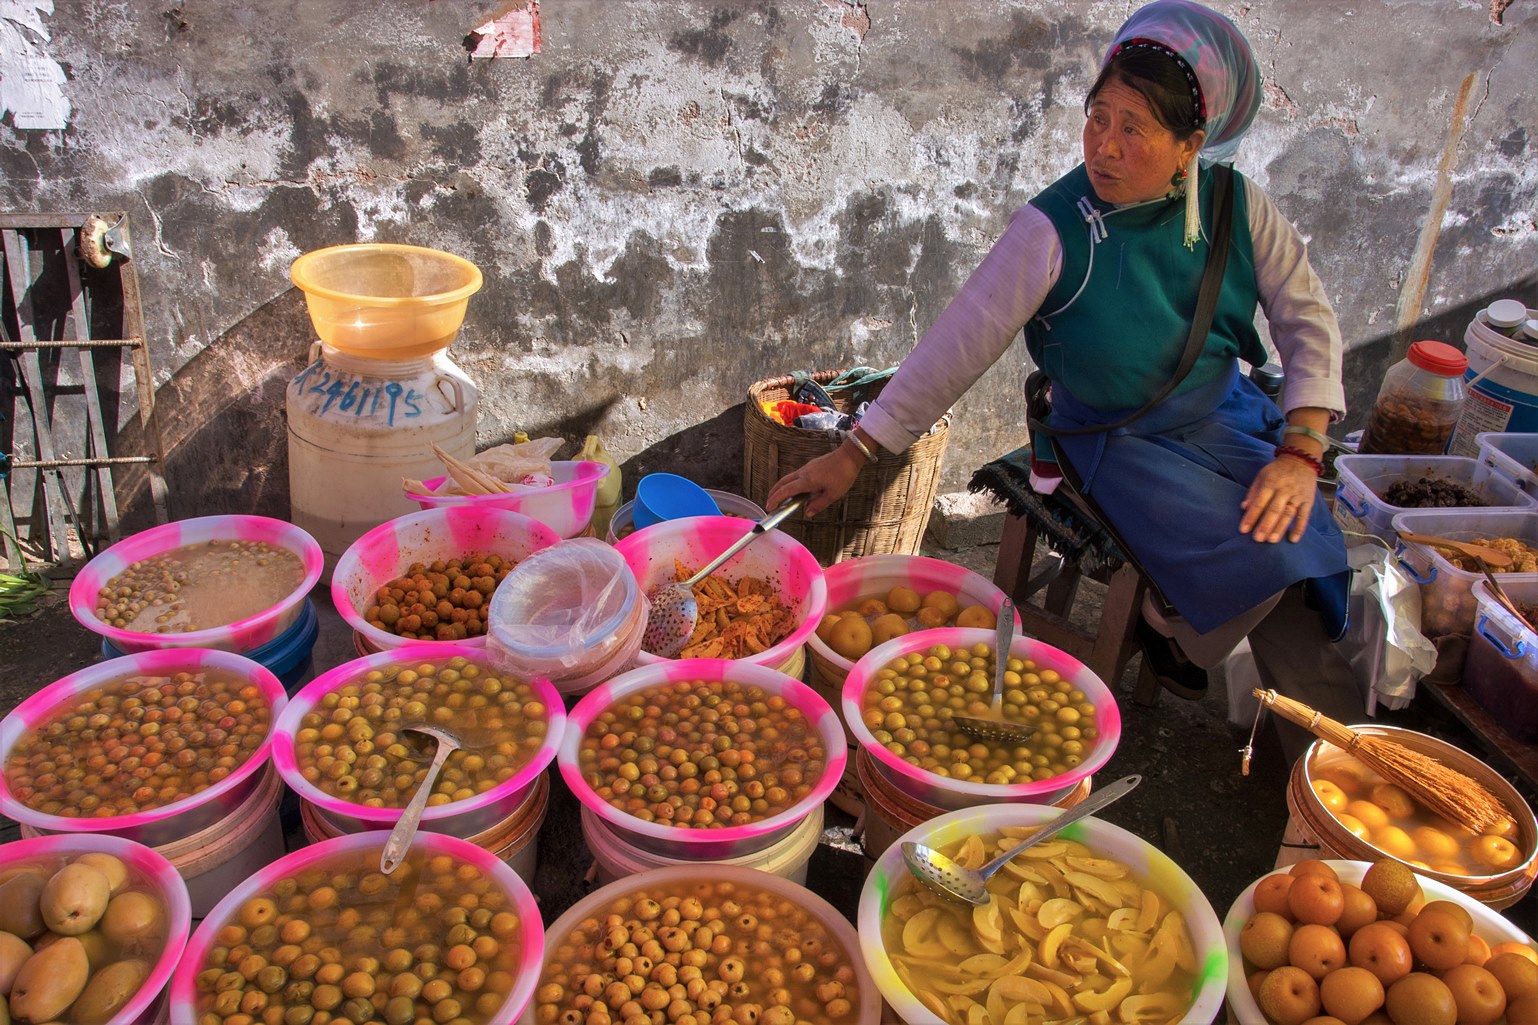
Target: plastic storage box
{"type": "Point", "coordinates": [1511, 455]}
{"type": "Point", "coordinates": [1360, 507]}
{"type": "Point", "coordinates": [1447, 592]}
{"type": "Point", "coordinates": [1501, 672]}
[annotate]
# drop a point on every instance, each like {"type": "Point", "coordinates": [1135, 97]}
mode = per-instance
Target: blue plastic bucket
{"type": "Point", "coordinates": [667, 496]}
{"type": "Point", "coordinates": [288, 656]}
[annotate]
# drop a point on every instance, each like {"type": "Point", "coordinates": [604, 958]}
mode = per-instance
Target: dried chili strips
{"type": "Point", "coordinates": [736, 619]}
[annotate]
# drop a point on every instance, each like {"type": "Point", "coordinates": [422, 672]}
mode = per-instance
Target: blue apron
{"type": "Point", "coordinates": [1170, 484]}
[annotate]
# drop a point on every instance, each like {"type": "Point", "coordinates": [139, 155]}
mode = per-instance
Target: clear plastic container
{"type": "Point", "coordinates": [1501, 672]}
{"type": "Point", "coordinates": [1447, 592]}
{"type": "Point", "coordinates": [1360, 505]}
{"type": "Point", "coordinates": [1418, 404]}
{"type": "Point", "coordinates": [1511, 455]}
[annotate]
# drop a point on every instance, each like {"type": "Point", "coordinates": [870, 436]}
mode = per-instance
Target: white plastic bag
{"type": "Point", "coordinates": [1388, 652]}
{"type": "Point", "coordinates": [572, 613]}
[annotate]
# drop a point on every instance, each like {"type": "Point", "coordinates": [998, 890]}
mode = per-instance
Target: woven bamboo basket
{"type": "Point", "coordinates": [887, 508]}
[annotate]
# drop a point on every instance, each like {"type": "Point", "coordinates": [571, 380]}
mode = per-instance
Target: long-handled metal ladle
{"type": "Point", "coordinates": [674, 611]}
{"type": "Point", "coordinates": [996, 728]}
{"type": "Point", "coordinates": [405, 830]}
{"type": "Point", "coordinates": [942, 875]}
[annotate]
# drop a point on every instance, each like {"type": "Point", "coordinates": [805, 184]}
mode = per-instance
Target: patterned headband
{"type": "Point", "coordinates": [1196, 87]}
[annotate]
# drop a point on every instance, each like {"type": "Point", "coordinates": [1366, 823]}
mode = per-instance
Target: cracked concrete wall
{"type": "Point", "coordinates": [676, 198]}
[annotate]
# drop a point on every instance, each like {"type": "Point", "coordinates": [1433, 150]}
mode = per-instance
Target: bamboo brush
{"type": "Point", "coordinates": [1447, 792]}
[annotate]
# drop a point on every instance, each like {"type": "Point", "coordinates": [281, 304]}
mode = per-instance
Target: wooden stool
{"type": "Point", "coordinates": [1106, 650]}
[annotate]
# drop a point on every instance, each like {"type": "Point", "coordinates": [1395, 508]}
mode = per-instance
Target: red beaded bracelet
{"type": "Point", "coordinates": [1298, 453]}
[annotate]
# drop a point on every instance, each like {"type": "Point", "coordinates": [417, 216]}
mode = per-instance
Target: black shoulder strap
{"type": "Point", "coordinates": [1206, 306]}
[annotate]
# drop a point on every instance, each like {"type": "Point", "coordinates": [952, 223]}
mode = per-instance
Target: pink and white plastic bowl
{"type": "Point", "coordinates": [388, 550]}
{"type": "Point", "coordinates": [464, 818]}
{"type": "Point", "coordinates": [681, 879]}
{"type": "Point", "coordinates": [789, 568]}
{"type": "Point", "coordinates": [685, 841]}
{"type": "Point", "coordinates": [167, 823]}
{"type": "Point", "coordinates": [347, 850]}
{"type": "Point", "coordinates": [143, 864]}
{"type": "Point", "coordinates": [947, 792]}
{"type": "Point", "coordinates": [240, 636]}
{"type": "Point", "coordinates": [872, 576]}
{"type": "Point", "coordinates": [566, 506]}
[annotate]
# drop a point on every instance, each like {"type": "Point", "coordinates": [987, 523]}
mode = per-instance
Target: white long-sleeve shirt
{"type": "Point", "coordinates": [1008, 286]}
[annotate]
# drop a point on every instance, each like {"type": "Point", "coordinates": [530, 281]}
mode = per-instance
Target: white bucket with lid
{"type": "Point", "coordinates": [1502, 383]}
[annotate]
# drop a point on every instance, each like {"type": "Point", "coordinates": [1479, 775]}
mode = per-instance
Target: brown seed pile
{"type": "Point", "coordinates": [439, 601]}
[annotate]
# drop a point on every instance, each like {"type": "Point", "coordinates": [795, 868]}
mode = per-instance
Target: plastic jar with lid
{"type": "Point", "coordinates": [1418, 404]}
{"type": "Point", "coordinates": [1506, 316]}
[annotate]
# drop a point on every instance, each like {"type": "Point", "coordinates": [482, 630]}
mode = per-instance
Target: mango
{"type": "Point", "coordinates": [14, 952]}
{"type": "Point", "coordinates": [74, 899]}
{"type": "Point", "coordinates": [108, 990]}
{"type": "Point", "coordinates": [108, 865]}
{"type": "Point", "coordinates": [19, 897]}
{"type": "Point", "coordinates": [131, 919]}
{"type": "Point", "coordinates": [50, 981]}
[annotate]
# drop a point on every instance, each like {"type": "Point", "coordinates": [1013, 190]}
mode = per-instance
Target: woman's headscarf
{"type": "Point", "coordinates": [1228, 80]}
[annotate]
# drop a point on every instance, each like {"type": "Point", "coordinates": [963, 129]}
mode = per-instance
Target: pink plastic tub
{"type": "Point", "coordinates": [171, 822]}
{"type": "Point", "coordinates": [777, 557]}
{"type": "Point", "coordinates": [388, 550]}
{"type": "Point", "coordinates": [143, 864]}
{"type": "Point", "coordinates": [240, 636]}
{"type": "Point", "coordinates": [346, 849]}
{"type": "Point", "coordinates": [566, 506]}
{"type": "Point", "coordinates": [566, 948]}
{"type": "Point", "coordinates": [947, 792]}
{"type": "Point", "coordinates": [872, 576]}
{"type": "Point", "coordinates": [457, 818]}
{"type": "Point", "coordinates": [690, 842]}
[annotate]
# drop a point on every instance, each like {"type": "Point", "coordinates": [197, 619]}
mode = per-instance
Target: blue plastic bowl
{"type": "Point", "coordinates": [667, 496]}
{"type": "Point", "coordinates": [288, 656]}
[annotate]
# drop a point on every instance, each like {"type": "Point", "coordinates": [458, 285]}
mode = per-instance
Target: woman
{"type": "Point", "coordinates": [1213, 490]}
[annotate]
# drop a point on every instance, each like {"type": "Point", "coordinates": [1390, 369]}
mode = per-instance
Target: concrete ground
{"type": "Point", "coordinates": [1222, 827]}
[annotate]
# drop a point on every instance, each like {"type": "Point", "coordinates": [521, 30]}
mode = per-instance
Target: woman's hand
{"type": "Point", "coordinates": [825, 479]}
{"type": "Point", "coordinates": [1280, 500]}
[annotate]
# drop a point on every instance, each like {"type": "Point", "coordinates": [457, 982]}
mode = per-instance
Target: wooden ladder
{"type": "Point", "coordinates": [59, 429]}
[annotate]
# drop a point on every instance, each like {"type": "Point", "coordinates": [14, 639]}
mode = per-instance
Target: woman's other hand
{"type": "Point", "coordinates": [1280, 500]}
{"type": "Point", "coordinates": [825, 479]}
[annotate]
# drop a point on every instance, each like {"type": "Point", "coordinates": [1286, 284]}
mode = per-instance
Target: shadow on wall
{"type": "Point", "coordinates": [708, 453]}
{"type": "Point", "coordinates": [1368, 361]}
{"type": "Point", "coordinates": [222, 417]}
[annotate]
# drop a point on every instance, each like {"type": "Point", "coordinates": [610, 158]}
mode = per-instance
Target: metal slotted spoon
{"type": "Point", "coordinates": [674, 611]}
{"type": "Point", "coordinates": [996, 728]}
{"type": "Point", "coordinates": [944, 876]}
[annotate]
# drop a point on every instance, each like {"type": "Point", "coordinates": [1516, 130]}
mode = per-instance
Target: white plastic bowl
{"type": "Point", "coordinates": [1148, 864]}
{"type": "Point", "coordinates": [1488, 925]}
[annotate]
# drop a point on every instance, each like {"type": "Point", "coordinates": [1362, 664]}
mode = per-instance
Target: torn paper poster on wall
{"type": "Point", "coordinates": [513, 33]}
{"type": "Point", "coordinates": [31, 82]}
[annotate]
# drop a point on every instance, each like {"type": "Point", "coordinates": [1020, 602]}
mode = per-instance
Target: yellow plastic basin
{"type": "Point", "coordinates": [386, 301]}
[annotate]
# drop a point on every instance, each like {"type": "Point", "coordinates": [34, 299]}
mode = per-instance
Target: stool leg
{"type": "Point", "coordinates": [1017, 547]}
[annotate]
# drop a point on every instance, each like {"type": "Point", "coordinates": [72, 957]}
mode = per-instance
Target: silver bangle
{"type": "Point", "coordinates": [870, 457]}
{"type": "Point", "coordinates": [1307, 432]}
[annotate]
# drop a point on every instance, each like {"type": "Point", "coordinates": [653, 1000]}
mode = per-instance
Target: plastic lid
{"type": "Point", "coordinates": [1439, 358]}
{"type": "Point", "coordinates": [1530, 330]}
{"type": "Point", "coordinates": [1504, 313]}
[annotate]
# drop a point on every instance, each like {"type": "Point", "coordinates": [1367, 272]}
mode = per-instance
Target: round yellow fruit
{"type": "Point", "coordinates": [945, 601]}
{"type": "Point", "coordinates": [851, 637]}
{"type": "Point", "coordinates": [976, 617]}
{"type": "Point", "coordinates": [886, 627]}
{"type": "Point", "coordinates": [904, 600]}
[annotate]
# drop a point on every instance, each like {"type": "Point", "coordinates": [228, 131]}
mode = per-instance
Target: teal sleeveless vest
{"type": "Point", "coordinates": [1112, 329]}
